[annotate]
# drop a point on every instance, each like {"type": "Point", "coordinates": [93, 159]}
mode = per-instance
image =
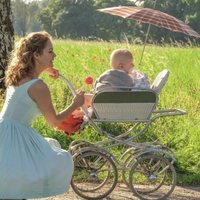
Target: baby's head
{"type": "Point", "coordinates": [122, 59]}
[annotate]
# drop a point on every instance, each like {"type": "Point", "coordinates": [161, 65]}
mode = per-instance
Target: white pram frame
{"type": "Point", "coordinates": [96, 168]}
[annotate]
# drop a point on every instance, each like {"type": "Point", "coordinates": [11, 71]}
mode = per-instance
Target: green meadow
{"type": "Point", "coordinates": [79, 59]}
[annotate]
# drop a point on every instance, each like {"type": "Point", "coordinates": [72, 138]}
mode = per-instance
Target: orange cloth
{"type": "Point", "coordinates": [73, 122]}
{"type": "Point", "coordinates": [70, 125]}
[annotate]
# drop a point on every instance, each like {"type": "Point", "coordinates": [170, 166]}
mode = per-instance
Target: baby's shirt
{"type": "Point", "coordinates": [113, 78]}
{"type": "Point", "coordinates": [141, 80]}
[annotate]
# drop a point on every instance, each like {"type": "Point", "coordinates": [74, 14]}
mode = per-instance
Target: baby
{"type": "Point", "coordinates": [122, 73]}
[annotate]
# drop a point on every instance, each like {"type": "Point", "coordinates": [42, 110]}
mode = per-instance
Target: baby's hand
{"type": "Point", "coordinates": [79, 99]}
{"type": "Point", "coordinates": [53, 73]}
{"type": "Point", "coordinates": [137, 74]}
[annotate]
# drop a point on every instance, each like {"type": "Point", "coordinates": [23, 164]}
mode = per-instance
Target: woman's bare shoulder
{"type": "Point", "coordinates": [39, 84]}
{"type": "Point", "coordinates": [39, 87]}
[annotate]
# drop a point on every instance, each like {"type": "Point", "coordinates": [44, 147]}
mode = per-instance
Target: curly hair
{"type": "Point", "coordinates": [22, 62]}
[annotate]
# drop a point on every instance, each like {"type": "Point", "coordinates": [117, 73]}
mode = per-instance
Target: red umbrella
{"type": "Point", "coordinates": [151, 16]}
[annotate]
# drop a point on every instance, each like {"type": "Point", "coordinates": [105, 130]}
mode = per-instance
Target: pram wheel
{"type": "Point", "coordinates": [95, 175]}
{"type": "Point", "coordinates": [78, 145]}
{"type": "Point", "coordinates": [152, 177]}
{"type": "Point", "coordinates": [130, 160]}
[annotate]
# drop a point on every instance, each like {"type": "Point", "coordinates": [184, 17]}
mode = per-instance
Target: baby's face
{"type": "Point", "coordinates": [128, 66]}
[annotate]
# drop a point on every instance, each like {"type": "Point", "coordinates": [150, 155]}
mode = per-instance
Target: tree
{"type": "Point", "coordinates": [80, 19]}
{"type": "Point", "coordinates": [6, 36]}
{"type": "Point", "coordinates": [32, 21]}
{"type": "Point", "coordinates": [191, 13]}
{"type": "Point", "coordinates": [110, 27]}
{"type": "Point", "coordinates": [20, 14]}
{"type": "Point", "coordinates": [77, 19]}
{"type": "Point", "coordinates": [25, 16]}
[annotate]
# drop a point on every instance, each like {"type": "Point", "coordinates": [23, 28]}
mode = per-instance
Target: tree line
{"type": "Point", "coordinates": [79, 19]}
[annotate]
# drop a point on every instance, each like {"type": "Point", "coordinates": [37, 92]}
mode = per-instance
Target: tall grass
{"type": "Point", "coordinates": [78, 59]}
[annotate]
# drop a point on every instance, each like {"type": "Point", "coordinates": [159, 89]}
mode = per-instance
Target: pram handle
{"type": "Point", "coordinates": [69, 84]}
{"type": "Point", "coordinates": [73, 90]}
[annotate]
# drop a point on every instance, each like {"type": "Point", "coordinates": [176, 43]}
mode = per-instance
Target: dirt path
{"type": "Point", "coordinates": [122, 193]}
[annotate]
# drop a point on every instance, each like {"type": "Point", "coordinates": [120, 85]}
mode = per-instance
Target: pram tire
{"type": "Point", "coordinates": [126, 168]}
{"type": "Point", "coordinates": [78, 145]}
{"type": "Point", "coordinates": [144, 174]}
{"type": "Point", "coordinates": [98, 172]}
{"type": "Point", "coordinates": [128, 163]}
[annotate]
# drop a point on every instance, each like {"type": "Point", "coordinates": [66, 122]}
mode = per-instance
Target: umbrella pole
{"type": "Point", "coordinates": [145, 43]}
{"type": "Point", "coordinates": [148, 29]}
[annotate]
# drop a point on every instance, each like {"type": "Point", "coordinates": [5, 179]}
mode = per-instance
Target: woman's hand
{"type": "Point", "coordinates": [53, 73]}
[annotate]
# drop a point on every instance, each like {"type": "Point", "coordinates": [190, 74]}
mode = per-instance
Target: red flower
{"type": "Point", "coordinates": [89, 80]}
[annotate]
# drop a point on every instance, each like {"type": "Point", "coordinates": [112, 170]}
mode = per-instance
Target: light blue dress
{"type": "Point", "coordinates": [29, 166]}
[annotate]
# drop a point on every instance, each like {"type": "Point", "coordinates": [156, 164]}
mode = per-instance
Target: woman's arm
{"type": "Point", "coordinates": [40, 93]}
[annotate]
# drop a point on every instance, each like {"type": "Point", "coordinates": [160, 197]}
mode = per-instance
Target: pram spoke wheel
{"type": "Point", "coordinates": [95, 175]}
{"type": "Point", "coordinates": [126, 168]}
{"type": "Point", "coordinates": [152, 177]}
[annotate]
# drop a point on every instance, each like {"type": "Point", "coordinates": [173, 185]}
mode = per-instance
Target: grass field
{"type": "Point", "coordinates": [78, 59]}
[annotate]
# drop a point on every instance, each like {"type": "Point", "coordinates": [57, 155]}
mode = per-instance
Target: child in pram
{"type": "Point", "coordinates": [121, 74]}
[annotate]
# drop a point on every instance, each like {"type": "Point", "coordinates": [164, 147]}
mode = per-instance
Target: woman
{"type": "Point", "coordinates": [29, 167]}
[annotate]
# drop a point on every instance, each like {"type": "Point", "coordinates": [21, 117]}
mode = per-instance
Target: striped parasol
{"type": "Point", "coordinates": [151, 16]}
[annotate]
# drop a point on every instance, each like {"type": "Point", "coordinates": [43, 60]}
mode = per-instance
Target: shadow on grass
{"type": "Point", "coordinates": [188, 180]}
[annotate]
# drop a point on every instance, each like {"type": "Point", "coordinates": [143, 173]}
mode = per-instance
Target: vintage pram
{"type": "Point", "coordinates": [146, 168]}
